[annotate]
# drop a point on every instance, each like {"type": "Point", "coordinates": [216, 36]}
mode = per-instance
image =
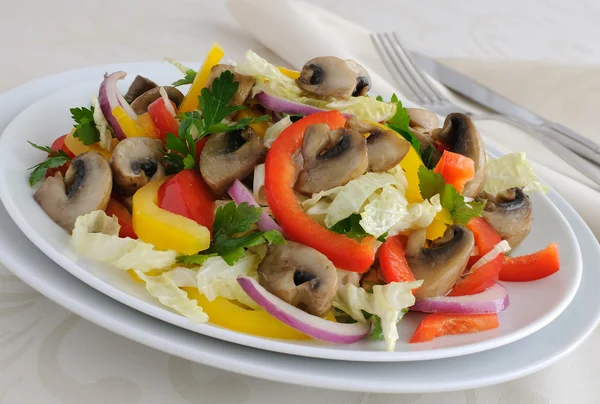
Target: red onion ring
{"type": "Point", "coordinates": [109, 97]}
{"type": "Point", "coordinates": [492, 300]}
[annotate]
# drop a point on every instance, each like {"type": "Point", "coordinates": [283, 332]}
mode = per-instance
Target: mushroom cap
{"type": "Point", "coordinates": [140, 103]}
{"type": "Point", "coordinates": [328, 76]}
{"type": "Point", "coordinates": [230, 156]}
{"type": "Point", "coordinates": [301, 276]}
{"type": "Point", "coordinates": [139, 86]}
{"type": "Point", "coordinates": [331, 158]}
{"type": "Point", "coordinates": [510, 214]}
{"type": "Point", "coordinates": [245, 82]}
{"type": "Point", "coordinates": [85, 188]}
{"type": "Point", "coordinates": [422, 123]}
{"type": "Point", "coordinates": [384, 147]}
{"type": "Point", "coordinates": [363, 78]}
{"type": "Point", "coordinates": [462, 137]}
{"type": "Point", "coordinates": [135, 161]}
{"type": "Point", "coordinates": [441, 264]}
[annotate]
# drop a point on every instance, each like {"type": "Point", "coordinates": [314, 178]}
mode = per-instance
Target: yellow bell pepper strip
{"type": "Point", "coordinates": [440, 223]}
{"type": "Point", "coordinates": [256, 322]}
{"type": "Point", "coordinates": [259, 128]}
{"type": "Point", "coordinates": [163, 229]}
{"type": "Point", "coordinates": [292, 74]}
{"type": "Point", "coordinates": [127, 124]}
{"type": "Point", "coordinates": [190, 102]}
{"type": "Point", "coordinates": [145, 122]}
{"type": "Point", "coordinates": [77, 147]}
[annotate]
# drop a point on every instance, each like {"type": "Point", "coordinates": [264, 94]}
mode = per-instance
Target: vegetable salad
{"type": "Point", "coordinates": [293, 204]}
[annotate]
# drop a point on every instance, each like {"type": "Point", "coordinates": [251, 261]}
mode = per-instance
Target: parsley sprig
{"type": "Point", "coordinates": [431, 184]}
{"type": "Point", "coordinates": [214, 104]}
{"type": "Point", "coordinates": [188, 78]}
{"type": "Point", "coordinates": [351, 227]}
{"type": "Point", "coordinates": [400, 123]}
{"type": "Point", "coordinates": [85, 128]}
{"type": "Point", "coordinates": [233, 231]}
{"type": "Point", "coordinates": [55, 159]}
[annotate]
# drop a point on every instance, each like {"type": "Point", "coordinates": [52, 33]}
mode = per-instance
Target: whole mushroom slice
{"type": "Point", "coordinates": [301, 276]}
{"type": "Point", "coordinates": [230, 156]}
{"type": "Point", "coordinates": [363, 79]}
{"type": "Point", "coordinates": [384, 147]}
{"type": "Point", "coordinates": [328, 76]}
{"type": "Point", "coordinates": [509, 213]}
{"type": "Point", "coordinates": [422, 123]}
{"type": "Point", "coordinates": [139, 86]}
{"type": "Point", "coordinates": [245, 83]}
{"type": "Point", "coordinates": [441, 264]}
{"type": "Point", "coordinates": [462, 137]}
{"type": "Point", "coordinates": [85, 188]}
{"type": "Point", "coordinates": [140, 104]}
{"type": "Point", "coordinates": [331, 158]}
{"type": "Point", "coordinates": [135, 161]}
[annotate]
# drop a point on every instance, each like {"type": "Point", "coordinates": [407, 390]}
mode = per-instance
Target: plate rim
{"type": "Point", "coordinates": [125, 329]}
{"type": "Point", "coordinates": [273, 345]}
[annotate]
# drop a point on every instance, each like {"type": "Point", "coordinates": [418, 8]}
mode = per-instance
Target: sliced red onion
{"type": "Point", "coordinates": [492, 300]}
{"type": "Point", "coordinates": [313, 326]}
{"type": "Point", "coordinates": [240, 194]}
{"type": "Point", "coordinates": [286, 106]}
{"type": "Point", "coordinates": [109, 97]}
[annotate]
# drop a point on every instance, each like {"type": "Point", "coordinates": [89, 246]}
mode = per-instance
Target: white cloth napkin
{"type": "Point", "coordinates": [297, 32]}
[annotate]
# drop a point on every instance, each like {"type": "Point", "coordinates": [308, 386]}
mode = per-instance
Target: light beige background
{"type": "Point", "coordinates": [48, 355]}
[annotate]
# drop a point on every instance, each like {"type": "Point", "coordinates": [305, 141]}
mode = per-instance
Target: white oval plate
{"type": "Point", "coordinates": [532, 305]}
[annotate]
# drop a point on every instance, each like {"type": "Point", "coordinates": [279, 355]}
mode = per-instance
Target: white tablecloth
{"type": "Point", "coordinates": [49, 355]}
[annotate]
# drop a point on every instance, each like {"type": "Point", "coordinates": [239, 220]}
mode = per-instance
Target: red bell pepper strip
{"type": "Point", "coordinates": [456, 169]}
{"type": "Point", "coordinates": [187, 194]}
{"type": "Point", "coordinates": [392, 261]}
{"type": "Point", "coordinates": [345, 252]}
{"type": "Point", "coordinates": [59, 144]}
{"type": "Point", "coordinates": [531, 267]}
{"type": "Point", "coordinates": [438, 324]}
{"type": "Point", "coordinates": [162, 118]}
{"type": "Point", "coordinates": [116, 209]}
{"type": "Point", "coordinates": [484, 277]}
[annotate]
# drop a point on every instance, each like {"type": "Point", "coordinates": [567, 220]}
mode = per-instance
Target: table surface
{"type": "Point", "coordinates": [50, 355]}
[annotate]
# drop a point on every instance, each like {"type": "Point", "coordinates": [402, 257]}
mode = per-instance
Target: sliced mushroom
{"type": "Point", "coordinates": [245, 83]}
{"type": "Point", "coordinates": [139, 86]}
{"type": "Point", "coordinates": [384, 147]}
{"type": "Point", "coordinates": [141, 103]}
{"type": "Point", "coordinates": [509, 213]}
{"type": "Point", "coordinates": [331, 158]}
{"type": "Point", "coordinates": [85, 188]}
{"type": "Point", "coordinates": [328, 76]}
{"type": "Point", "coordinates": [441, 264]}
{"type": "Point", "coordinates": [230, 156]}
{"type": "Point", "coordinates": [422, 123]}
{"type": "Point", "coordinates": [135, 162]}
{"type": "Point", "coordinates": [363, 79]}
{"type": "Point", "coordinates": [462, 137]}
{"type": "Point", "coordinates": [301, 276]}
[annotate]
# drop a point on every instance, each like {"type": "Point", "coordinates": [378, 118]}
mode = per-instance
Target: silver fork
{"type": "Point", "coordinates": [427, 95]}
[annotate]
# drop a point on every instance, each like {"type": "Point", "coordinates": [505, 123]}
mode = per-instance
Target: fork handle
{"type": "Point", "coordinates": [543, 132]}
{"type": "Point", "coordinates": [563, 130]}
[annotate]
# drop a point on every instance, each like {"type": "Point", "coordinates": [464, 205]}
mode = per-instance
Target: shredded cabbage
{"type": "Point", "coordinates": [96, 236]}
{"type": "Point", "coordinates": [498, 249]}
{"type": "Point", "coordinates": [258, 185]}
{"type": "Point", "coordinates": [386, 301]}
{"type": "Point", "coordinates": [215, 278]}
{"type": "Point", "coordinates": [274, 131]}
{"type": "Point", "coordinates": [269, 79]}
{"type": "Point", "coordinates": [510, 171]}
{"type": "Point", "coordinates": [168, 293]}
{"type": "Point", "coordinates": [102, 125]}
{"type": "Point", "coordinates": [180, 66]}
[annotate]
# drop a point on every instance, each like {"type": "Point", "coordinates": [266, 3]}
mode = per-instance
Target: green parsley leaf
{"type": "Point", "coordinates": [85, 129]}
{"type": "Point", "coordinates": [379, 98]}
{"type": "Point", "coordinates": [350, 226]}
{"type": "Point", "coordinates": [464, 214]}
{"type": "Point", "coordinates": [427, 155]}
{"type": "Point", "coordinates": [431, 184]}
{"type": "Point", "coordinates": [400, 123]}
{"type": "Point", "coordinates": [231, 220]}
{"type": "Point", "coordinates": [55, 159]}
{"type": "Point", "coordinates": [189, 77]}
{"type": "Point", "coordinates": [196, 259]}
{"type": "Point", "coordinates": [181, 148]}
